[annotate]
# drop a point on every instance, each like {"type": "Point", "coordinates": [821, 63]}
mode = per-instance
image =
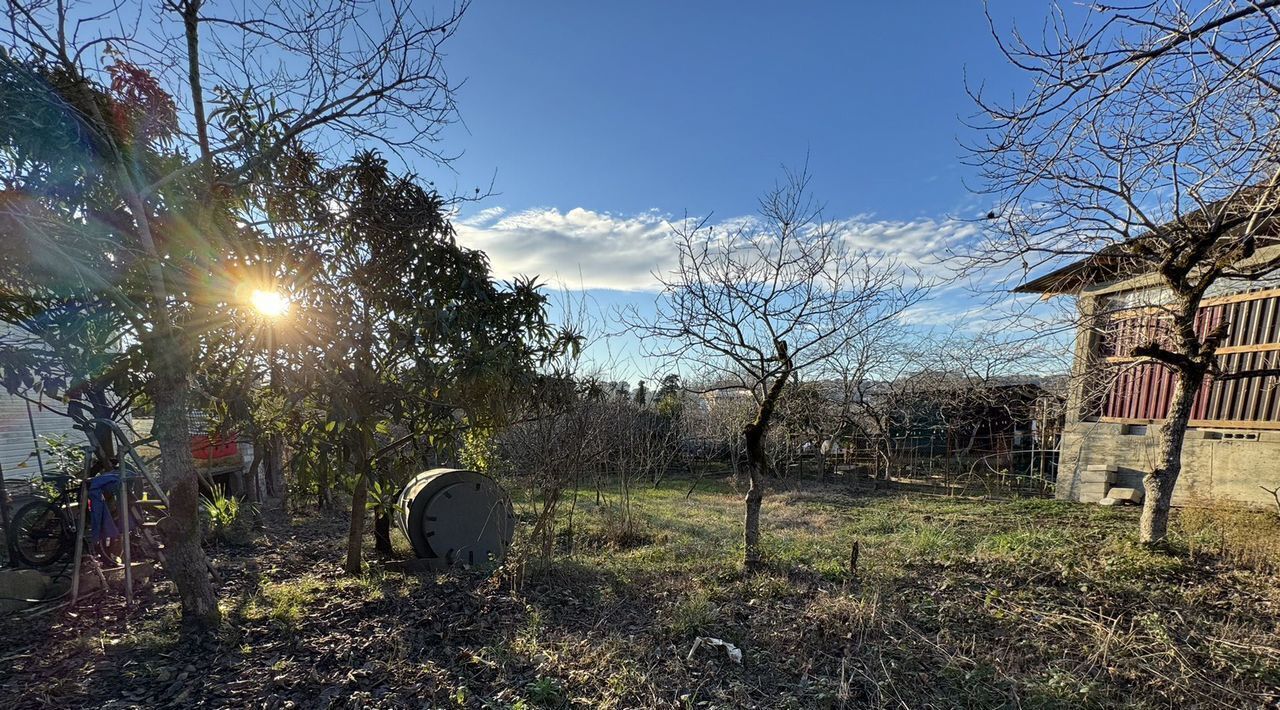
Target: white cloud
{"type": "Point", "coordinates": [921, 244]}
{"type": "Point", "coordinates": [483, 217]}
{"type": "Point", "coordinates": [582, 248]}
{"type": "Point", "coordinates": [577, 249]}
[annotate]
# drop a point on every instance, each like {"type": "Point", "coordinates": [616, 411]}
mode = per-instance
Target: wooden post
{"type": "Point", "coordinates": [7, 521]}
{"type": "Point", "coordinates": [124, 539]}
{"type": "Point", "coordinates": [78, 557]}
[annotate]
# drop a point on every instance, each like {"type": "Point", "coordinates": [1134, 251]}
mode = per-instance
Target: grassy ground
{"type": "Point", "coordinates": [955, 603]}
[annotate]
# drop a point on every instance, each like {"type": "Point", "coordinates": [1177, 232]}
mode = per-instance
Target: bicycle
{"type": "Point", "coordinates": [42, 531]}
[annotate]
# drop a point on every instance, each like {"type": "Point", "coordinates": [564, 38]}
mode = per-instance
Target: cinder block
{"type": "Point", "coordinates": [1092, 476]}
{"type": "Point", "coordinates": [1102, 467]}
{"type": "Point", "coordinates": [1127, 495]}
{"type": "Point", "coordinates": [1092, 490]}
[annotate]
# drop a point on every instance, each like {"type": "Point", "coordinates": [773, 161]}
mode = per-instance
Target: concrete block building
{"type": "Point", "coordinates": [1116, 403]}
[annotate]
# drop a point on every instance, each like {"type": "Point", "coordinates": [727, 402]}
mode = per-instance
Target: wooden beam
{"type": "Point", "coordinates": [1196, 423]}
{"type": "Point", "coordinates": [1259, 348]}
{"type": "Point", "coordinates": [1240, 297]}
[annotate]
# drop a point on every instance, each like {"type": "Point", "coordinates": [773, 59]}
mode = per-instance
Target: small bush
{"type": "Point", "coordinates": [546, 693]}
{"type": "Point", "coordinates": [224, 517]}
{"type": "Point", "coordinates": [692, 614]}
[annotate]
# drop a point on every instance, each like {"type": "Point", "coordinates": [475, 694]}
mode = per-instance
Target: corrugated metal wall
{"type": "Point", "coordinates": [17, 448]}
{"type": "Point", "coordinates": [1143, 390]}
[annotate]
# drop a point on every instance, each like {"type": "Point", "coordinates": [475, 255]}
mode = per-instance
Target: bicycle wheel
{"type": "Point", "coordinates": [40, 534]}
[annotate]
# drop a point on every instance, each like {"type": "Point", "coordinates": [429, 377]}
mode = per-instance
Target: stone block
{"type": "Point", "coordinates": [20, 588]}
{"type": "Point", "coordinates": [1126, 495]}
{"type": "Point", "coordinates": [1090, 490]}
{"type": "Point", "coordinates": [1092, 475]}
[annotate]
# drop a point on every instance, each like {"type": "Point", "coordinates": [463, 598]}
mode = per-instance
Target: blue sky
{"type": "Point", "coordinates": [597, 121]}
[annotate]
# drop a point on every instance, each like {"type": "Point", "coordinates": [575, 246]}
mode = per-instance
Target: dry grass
{"type": "Point", "coordinates": [1247, 538]}
{"type": "Point", "coordinates": [956, 603]}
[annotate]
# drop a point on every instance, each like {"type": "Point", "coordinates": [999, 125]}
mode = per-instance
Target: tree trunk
{"type": "Point", "coordinates": [382, 517]}
{"type": "Point", "coordinates": [249, 485]}
{"type": "Point", "coordinates": [249, 482]}
{"type": "Point", "coordinates": [1159, 484]}
{"type": "Point", "coordinates": [359, 501]}
{"type": "Point", "coordinates": [185, 561]}
{"type": "Point", "coordinates": [268, 475]}
{"type": "Point", "coordinates": [382, 533]}
{"type": "Point", "coordinates": [758, 461]}
{"type": "Point", "coordinates": [280, 486]}
{"type": "Point", "coordinates": [322, 486]}
{"type": "Point", "coordinates": [104, 438]}
{"type": "Point", "coordinates": [756, 465]}
{"type": "Point", "coordinates": [170, 386]}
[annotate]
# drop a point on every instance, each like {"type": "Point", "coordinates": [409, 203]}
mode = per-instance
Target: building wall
{"type": "Point", "coordinates": [1225, 465]}
{"type": "Point", "coordinates": [1220, 465]}
{"type": "Point", "coordinates": [17, 447]}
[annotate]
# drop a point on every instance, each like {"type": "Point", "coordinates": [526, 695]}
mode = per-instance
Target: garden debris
{"type": "Point", "coordinates": [734, 653]}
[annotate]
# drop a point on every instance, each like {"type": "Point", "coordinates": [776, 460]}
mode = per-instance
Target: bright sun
{"type": "Point", "coordinates": [269, 303]}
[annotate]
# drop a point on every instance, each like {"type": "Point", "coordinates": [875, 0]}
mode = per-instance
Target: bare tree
{"type": "Point", "coordinates": [558, 444]}
{"type": "Point", "coordinates": [643, 444]}
{"type": "Point", "coordinates": [878, 382]}
{"type": "Point", "coordinates": [1145, 147]}
{"type": "Point", "coordinates": [713, 418]}
{"type": "Point", "coordinates": [755, 303]}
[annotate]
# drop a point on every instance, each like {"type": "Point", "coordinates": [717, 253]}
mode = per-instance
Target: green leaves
{"type": "Point", "coordinates": [382, 496]}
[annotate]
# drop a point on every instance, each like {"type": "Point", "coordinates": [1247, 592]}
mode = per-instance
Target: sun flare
{"type": "Point", "coordinates": [271, 304]}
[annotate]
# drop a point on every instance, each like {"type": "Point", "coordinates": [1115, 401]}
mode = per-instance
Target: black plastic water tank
{"type": "Point", "coordinates": [456, 517]}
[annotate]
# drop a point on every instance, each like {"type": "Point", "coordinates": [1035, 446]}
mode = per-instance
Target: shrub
{"type": "Point", "coordinates": [223, 516]}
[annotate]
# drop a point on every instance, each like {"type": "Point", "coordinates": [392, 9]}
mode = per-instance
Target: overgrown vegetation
{"type": "Point", "coordinates": [1246, 537]}
{"type": "Point", "coordinates": [147, 229]}
{"type": "Point", "coordinates": [954, 603]}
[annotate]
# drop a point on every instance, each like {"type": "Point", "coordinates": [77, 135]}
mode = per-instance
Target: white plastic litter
{"type": "Point", "coordinates": [735, 653]}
